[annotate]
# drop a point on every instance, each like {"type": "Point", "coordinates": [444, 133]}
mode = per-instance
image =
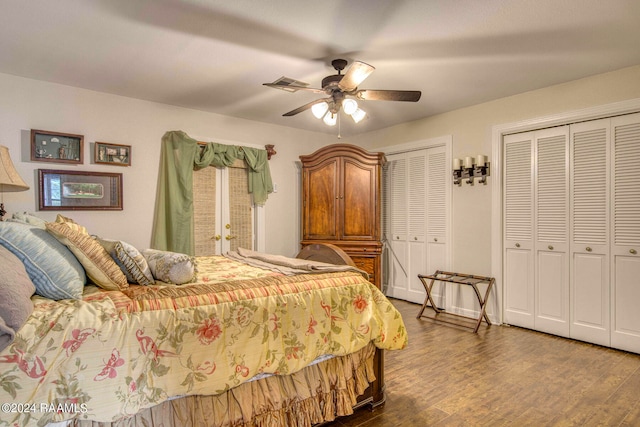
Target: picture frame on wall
{"type": "Point", "coordinates": [112, 154]}
{"type": "Point", "coordinates": [56, 147]}
{"type": "Point", "coordinates": [79, 190]}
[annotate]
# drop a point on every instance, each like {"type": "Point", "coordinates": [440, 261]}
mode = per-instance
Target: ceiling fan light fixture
{"type": "Point", "coordinates": [319, 109]}
{"type": "Point", "coordinates": [349, 106]}
{"type": "Point", "coordinates": [358, 115]}
{"type": "Point", "coordinates": [330, 119]}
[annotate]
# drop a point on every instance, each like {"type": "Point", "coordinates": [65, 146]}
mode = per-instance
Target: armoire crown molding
{"type": "Point", "coordinates": [497, 134]}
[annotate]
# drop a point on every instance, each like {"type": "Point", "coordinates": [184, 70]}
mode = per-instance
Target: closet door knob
{"type": "Point", "coordinates": [435, 239]}
{"type": "Point", "coordinates": [633, 251]}
{"type": "Point", "coordinates": [588, 249]}
{"type": "Point", "coordinates": [517, 245]}
{"type": "Point", "coordinates": [415, 238]}
{"type": "Point", "coordinates": [550, 247]}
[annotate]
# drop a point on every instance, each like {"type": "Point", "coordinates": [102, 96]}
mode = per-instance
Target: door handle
{"type": "Point", "coordinates": [550, 247]}
{"type": "Point", "coordinates": [588, 249]}
{"type": "Point", "coordinates": [517, 245]}
{"type": "Point", "coordinates": [633, 251]}
{"type": "Point", "coordinates": [216, 237]}
{"type": "Point", "coordinates": [229, 237]}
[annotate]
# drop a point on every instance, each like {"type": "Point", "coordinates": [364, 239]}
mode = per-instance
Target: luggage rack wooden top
{"type": "Point", "coordinates": [472, 280]}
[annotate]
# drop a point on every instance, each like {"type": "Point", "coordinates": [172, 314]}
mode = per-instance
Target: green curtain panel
{"type": "Point", "coordinates": [180, 156]}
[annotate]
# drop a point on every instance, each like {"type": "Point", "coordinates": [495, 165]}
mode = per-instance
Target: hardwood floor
{"type": "Point", "coordinates": [502, 376]}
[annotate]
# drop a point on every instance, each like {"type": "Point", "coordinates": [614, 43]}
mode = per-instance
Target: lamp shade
{"type": "Point", "coordinates": [319, 109]}
{"type": "Point", "coordinates": [9, 178]}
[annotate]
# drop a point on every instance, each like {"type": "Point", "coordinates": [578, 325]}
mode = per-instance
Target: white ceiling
{"type": "Point", "coordinates": [214, 55]}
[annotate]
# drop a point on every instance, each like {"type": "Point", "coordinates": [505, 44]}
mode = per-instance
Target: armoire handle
{"type": "Point", "coordinates": [550, 247]}
{"type": "Point", "coordinates": [588, 249]}
{"type": "Point", "coordinates": [633, 251]}
{"type": "Point", "coordinates": [517, 245]}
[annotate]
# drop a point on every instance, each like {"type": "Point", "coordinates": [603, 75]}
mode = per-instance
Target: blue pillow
{"type": "Point", "coordinates": [51, 266]}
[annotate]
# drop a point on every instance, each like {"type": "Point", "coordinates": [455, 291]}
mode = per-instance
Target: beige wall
{"type": "Point", "coordinates": [30, 104]}
{"type": "Point", "coordinates": [27, 104]}
{"type": "Point", "coordinates": [471, 130]}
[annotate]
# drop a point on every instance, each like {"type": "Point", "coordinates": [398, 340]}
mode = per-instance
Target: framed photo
{"type": "Point", "coordinates": [75, 190]}
{"type": "Point", "coordinates": [56, 147]}
{"type": "Point", "coordinates": [112, 154]}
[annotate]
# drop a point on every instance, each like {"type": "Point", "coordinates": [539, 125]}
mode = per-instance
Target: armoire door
{"type": "Point", "coordinates": [321, 201]}
{"type": "Point", "coordinates": [589, 249]}
{"type": "Point", "coordinates": [224, 216]}
{"type": "Point", "coordinates": [359, 188]}
{"type": "Point", "coordinates": [625, 233]}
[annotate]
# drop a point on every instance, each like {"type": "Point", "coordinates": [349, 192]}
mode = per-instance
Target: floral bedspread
{"type": "Point", "coordinates": [111, 354]}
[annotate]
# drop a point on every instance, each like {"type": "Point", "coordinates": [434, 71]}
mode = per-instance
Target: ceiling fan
{"type": "Point", "coordinates": [339, 87]}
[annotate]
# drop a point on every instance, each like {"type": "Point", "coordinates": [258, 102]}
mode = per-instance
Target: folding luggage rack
{"type": "Point", "coordinates": [461, 279]}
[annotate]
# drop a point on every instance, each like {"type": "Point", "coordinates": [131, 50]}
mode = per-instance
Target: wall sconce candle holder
{"type": "Point", "coordinates": [470, 169]}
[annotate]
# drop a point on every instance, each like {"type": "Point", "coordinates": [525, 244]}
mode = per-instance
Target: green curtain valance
{"type": "Point", "coordinates": [180, 156]}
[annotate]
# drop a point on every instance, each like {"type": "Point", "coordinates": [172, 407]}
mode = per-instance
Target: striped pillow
{"type": "Point", "coordinates": [98, 264]}
{"type": "Point", "coordinates": [130, 261]}
{"type": "Point", "coordinates": [53, 269]}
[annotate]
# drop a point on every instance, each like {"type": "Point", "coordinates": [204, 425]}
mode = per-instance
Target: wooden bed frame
{"type": "Point", "coordinates": [332, 254]}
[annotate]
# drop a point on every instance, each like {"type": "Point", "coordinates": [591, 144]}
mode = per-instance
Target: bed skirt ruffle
{"type": "Point", "coordinates": [315, 394]}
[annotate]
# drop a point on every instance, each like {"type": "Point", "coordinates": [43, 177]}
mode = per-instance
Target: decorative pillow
{"type": "Point", "coordinates": [130, 261]}
{"type": "Point", "coordinates": [71, 224]}
{"type": "Point", "coordinates": [98, 264]}
{"type": "Point", "coordinates": [15, 296]}
{"type": "Point", "coordinates": [171, 267]}
{"type": "Point", "coordinates": [28, 218]}
{"type": "Point", "coordinates": [53, 269]}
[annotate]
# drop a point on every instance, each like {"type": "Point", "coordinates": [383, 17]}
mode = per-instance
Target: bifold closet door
{"type": "Point", "coordinates": [519, 289]}
{"type": "Point", "coordinates": [625, 232]}
{"type": "Point", "coordinates": [589, 262]}
{"type": "Point", "coordinates": [416, 216]}
{"type": "Point", "coordinates": [551, 151]}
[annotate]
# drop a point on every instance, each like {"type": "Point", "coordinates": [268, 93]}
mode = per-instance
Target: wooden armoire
{"type": "Point", "coordinates": [341, 203]}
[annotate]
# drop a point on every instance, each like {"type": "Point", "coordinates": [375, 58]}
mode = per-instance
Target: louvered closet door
{"type": "Point", "coordinates": [625, 232]}
{"type": "Point", "coordinates": [518, 230]}
{"type": "Point", "coordinates": [437, 203]}
{"type": "Point", "coordinates": [417, 220]}
{"type": "Point", "coordinates": [417, 210]}
{"type": "Point", "coordinates": [552, 231]}
{"type": "Point", "coordinates": [396, 234]}
{"type": "Point", "coordinates": [589, 263]}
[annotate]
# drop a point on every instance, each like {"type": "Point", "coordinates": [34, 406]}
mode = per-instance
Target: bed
{"type": "Point", "coordinates": [249, 339]}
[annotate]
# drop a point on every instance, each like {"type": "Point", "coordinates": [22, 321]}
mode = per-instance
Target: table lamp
{"type": "Point", "coordinates": [9, 178]}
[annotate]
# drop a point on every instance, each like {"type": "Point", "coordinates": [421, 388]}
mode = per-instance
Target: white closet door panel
{"type": "Point", "coordinates": [552, 293]}
{"type": "Point", "coordinates": [518, 230]}
{"type": "Point", "coordinates": [518, 188]}
{"type": "Point", "coordinates": [417, 195]}
{"type": "Point", "coordinates": [398, 274]}
{"type": "Point", "coordinates": [625, 328]}
{"type": "Point", "coordinates": [519, 289]}
{"type": "Point", "coordinates": [589, 271]}
{"type": "Point", "coordinates": [417, 265]}
{"type": "Point", "coordinates": [552, 230]}
{"type": "Point", "coordinates": [437, 201]}
{"type": "Point", "coordinates": [398, 175]}
{"type": "Point", "coordinates": [590, 299]}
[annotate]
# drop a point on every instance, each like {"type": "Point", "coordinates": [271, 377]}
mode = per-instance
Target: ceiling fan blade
{"type": "Point", "coordinates": [389, 95]}
{"type": "Point", "coordinates": [305, 107]}
{"type": "Point", "coordinates": [293, 88]}
{"type": "Point", "coordinates": [357, 72]}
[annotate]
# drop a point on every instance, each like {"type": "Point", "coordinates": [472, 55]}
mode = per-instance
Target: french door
{"type": "Point", "coordinates": [224, 215]}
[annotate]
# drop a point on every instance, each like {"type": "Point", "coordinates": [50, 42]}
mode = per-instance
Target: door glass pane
{"type": "Point", "coordinates": [204, 211]}
{"type": "Point", "coordinates": [240, 210]}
